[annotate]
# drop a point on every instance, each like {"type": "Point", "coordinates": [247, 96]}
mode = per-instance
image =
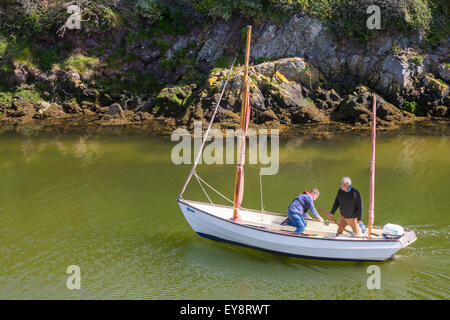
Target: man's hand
{"type": "Point", "coordinates": [320, 219]}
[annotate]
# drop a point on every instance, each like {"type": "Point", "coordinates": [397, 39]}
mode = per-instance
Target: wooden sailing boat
{"type": "Point", "coordinates": [264, 230]}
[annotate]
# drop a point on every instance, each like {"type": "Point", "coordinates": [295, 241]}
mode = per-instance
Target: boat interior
{"type": "Point", "coordinates": [273, 222]}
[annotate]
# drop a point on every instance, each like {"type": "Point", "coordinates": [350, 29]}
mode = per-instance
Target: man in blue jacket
{"type": "Point", "coordinates": [299, 207]}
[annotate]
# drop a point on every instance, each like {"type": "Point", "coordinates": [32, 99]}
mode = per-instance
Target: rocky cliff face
{"type": "Point", "coordinates": [393, 65]}
{"type": "Point", "coordinates": [308, 77]}
{"type": "Point", "coordinates": [291, 91]}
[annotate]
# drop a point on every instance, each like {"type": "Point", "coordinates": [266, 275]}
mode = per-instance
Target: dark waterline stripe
{"type": "Point", "coordinates": [208, 236]}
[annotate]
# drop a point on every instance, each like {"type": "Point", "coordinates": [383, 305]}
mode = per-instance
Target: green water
{"type": "Point", "coordinates": [107, 204]}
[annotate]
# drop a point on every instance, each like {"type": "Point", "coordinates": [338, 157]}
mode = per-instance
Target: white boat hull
{"type": "Point", "coordinates": [210, 223]}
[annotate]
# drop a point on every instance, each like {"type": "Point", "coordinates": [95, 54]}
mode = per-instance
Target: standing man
{"type": "Point", "coordinates": [299, 207]}
{"type": "Point", "coordinates": [350, 203]}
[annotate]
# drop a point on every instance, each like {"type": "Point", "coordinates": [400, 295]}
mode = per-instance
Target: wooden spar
{"type": "Point", "coordinates": [337, 223]}
{"type": "Point", "coordinates": [239, 184]}
{"type": "Point", "coordinates": [372, 168]}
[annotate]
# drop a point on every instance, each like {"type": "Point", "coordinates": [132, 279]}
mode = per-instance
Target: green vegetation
{"type": "Point", "coordinates": [6, 68]}
{"type": "Point", "coordinates": [115, 60]}
{"type": "Point", "coordinates": [223, 62]}
{"type": "Point", "coordinates": [6, 99]}
{"type": "Point", "coordinates": [97, 51]}
{"type": "Point", "coordinates": [130, 58]}
{"type": "Point", "coordinates": [47, 58]}
{"type": "Point", "coordinates": [150, 9]}
{"type": "Point", "coordinates": [167, 62]}
{"type": "Point", "coordinates": [35, 17]}
{"type": "Point", "coordinates": [25, 92]}
{"type": "Point", "coordinates": [396, 50]}
{"type": "Point", "coordinates": [134, 83]}
{"type": "Point", "coordinates": [409, 106]}
{"type": "Point", "coordinates": [3, 46]}
{"type": "Point", "coordinates": [345, 18]}
{"type": "Point", "coordinates": [162, 45]}
{"type": "Point", "coordinates": [264, 59]}
{"type": "Point", "coordinates": [176, 98]}
{"type": "Point", "coordinates": [21, 50]}
{"type": "Point", "coordinates": [192, 44]}
{"type": "Point", "coordinates": [31, 37]}
{"type": "Point", "coordinates": [28, 93]}
{"type": "Point", "coordinates": [440, 81]}
{"type": "Point", "coordinates": [178, 59]}
{"type": "Point", "coordinates": [81, 63]}
{"type": "Point", "coordinates": [417, 59]}
{"type": "Point", "coordinates": [133, 36]}
{"type": "Point", "coordinates": [166, 18]}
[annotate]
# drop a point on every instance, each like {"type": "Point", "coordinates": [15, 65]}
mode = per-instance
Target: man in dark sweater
{"type": "Point", "coordinates": [349, 201]}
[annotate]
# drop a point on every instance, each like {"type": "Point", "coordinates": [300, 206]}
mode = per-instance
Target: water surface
{"type": "Point", "coordinates": [107, 204]}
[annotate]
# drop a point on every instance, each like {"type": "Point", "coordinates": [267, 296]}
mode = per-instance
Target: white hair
{"type": "Point", "coordinates": [347, 181]}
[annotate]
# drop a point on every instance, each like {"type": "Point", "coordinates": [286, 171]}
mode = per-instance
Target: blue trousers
{"type": "Point", "coordinates": [297, 221]}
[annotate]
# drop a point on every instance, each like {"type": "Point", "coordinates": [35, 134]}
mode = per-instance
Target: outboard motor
{"type": "Point", "coordinates": [392, 231]}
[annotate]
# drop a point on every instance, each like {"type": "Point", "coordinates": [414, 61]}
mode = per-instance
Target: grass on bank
{"type": "Point", "coordinates": [81, 63]}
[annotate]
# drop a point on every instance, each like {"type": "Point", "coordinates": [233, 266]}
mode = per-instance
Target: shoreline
{"type": "Point", "coordinates": [165, 126]}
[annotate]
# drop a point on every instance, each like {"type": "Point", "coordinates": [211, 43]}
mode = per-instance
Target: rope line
{"type": "Point", "coordinates": [207, 131]}
{"type": "Point", "coordinates": [198, 177]}
{"type": "Point", "coordinates": [206, 194]}
{"type": "Point", "coordinates": [200, 181]}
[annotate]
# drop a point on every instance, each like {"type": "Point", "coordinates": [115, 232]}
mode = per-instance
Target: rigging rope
{"type": "Point", "coordinates": [199, 182]}
{"type": "Point", "coordinates": [198, 177]}
{"type": "Point", "coordinates": [207, 132]}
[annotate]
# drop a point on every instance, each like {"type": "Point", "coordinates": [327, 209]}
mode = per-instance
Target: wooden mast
{"type": "Point", "coordinates": [245, 115]}
{"type": "Point", "coordinates": [372, 168]}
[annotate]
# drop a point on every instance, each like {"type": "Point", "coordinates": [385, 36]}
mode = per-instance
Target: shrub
{"type": "Point", "coordinates": [409, 106]}
{"type": "Point", "coordinates": [150, 9]}
{"type": "Point", "coordinates": [3, 46]}
{"type": "Point", "coordinates": [7, 68]}
{"type": "Point", "coordinates": [47, 58]}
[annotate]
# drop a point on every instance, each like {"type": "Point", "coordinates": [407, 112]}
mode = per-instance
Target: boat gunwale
{"type": "Point", "coordinates": [283, 234]}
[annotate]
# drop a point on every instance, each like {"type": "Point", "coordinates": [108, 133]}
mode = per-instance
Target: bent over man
{"type": "Point", "coordinates": [299, 207]}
